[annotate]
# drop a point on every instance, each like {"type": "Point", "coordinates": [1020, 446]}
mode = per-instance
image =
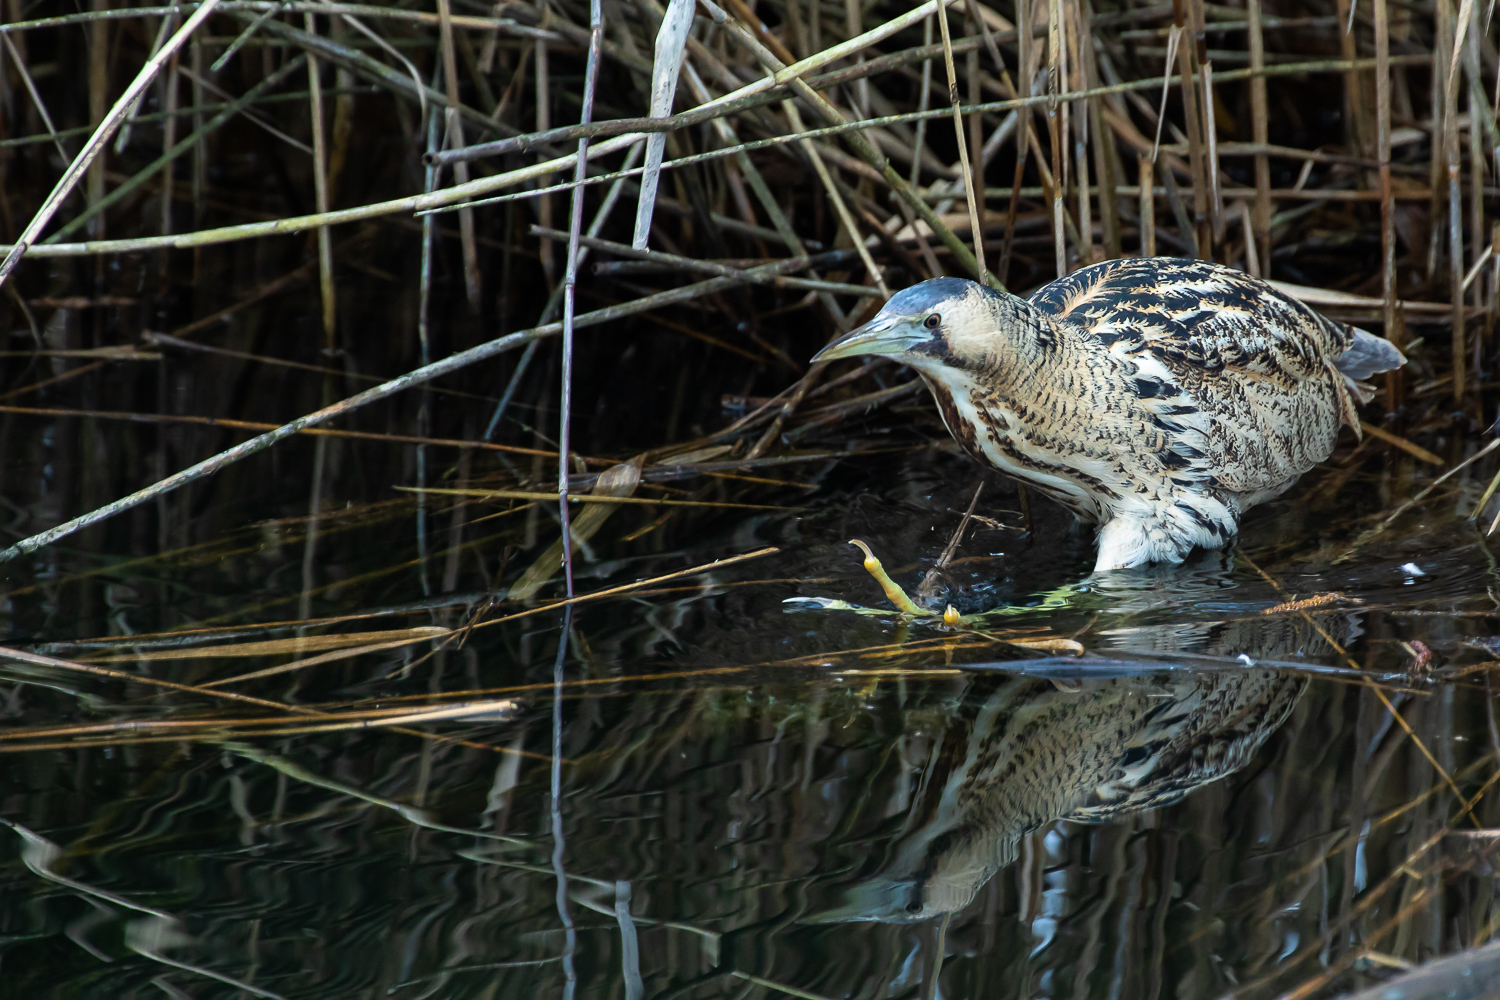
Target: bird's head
{"type": "Point", "coordinates": [943, 322]}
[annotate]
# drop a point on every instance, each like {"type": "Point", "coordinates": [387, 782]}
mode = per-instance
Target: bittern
{"type": "Point", "coordinates": [1158, 398]}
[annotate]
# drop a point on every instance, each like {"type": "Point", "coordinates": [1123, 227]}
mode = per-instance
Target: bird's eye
{"type": "Point", "coordinates": [931, 322]}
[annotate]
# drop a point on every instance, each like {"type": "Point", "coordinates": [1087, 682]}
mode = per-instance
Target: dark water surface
{"type": "Point", "coordinates": [708, 791]}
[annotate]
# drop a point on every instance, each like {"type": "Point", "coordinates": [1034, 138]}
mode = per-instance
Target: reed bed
{"type": "Point", "coordinates": [528, 266]}
{"type": "Point", "coordinates": [809, 160]}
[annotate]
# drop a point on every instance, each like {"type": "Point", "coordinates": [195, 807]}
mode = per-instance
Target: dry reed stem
{"type": "Point", "coordinates": [1260, 125]}
{"type": "Point", "coordinates": [1187, 59]}
{"type": "Point", "coordinates": [406, 84]}
{"type": "Point", "coordinates": [254, 425]}
{"type": "Point", "coordinates": [846, 218]}
{"type": "Point", "coordinates": [969, 171]}
{"type": "Point", "coordinates": [1055, 131]}
{"type": "Point", "coordinates": [36, 98]}
{"type": "Point", "coordinates": [96, 142]}
{"type": "Point", "coordinates": [1211, 132]}
{"type": "Point", "coordinates": [320, 194]}
{"type": "Point", "coordinates": [1394, 381]}
{"type": "Point", "coordinates": [1147, 194]}
{"type": "Point", "coordinates": [481, 186]}
{"type": "Point", "coordinates": [53, 663]}
{"type": "Point", "coordinates": [855, 138]}
{"type": "Point", "coordinates": [1078, 135]}
{"type": "Point", "coordinates": [1414, 450]}
{"type": "Point", "coordinates": [483, 494]}
{"type": "Point", "coordinates": [417, 377]}
{"type": "Point", "coordinates": [229, 727]}
{"type": "Point", "coordinates": [226, 112]}
{"type": "Point", "coordinates": [455, 137]}
{"type": "Point", "coordinates": [1449, 31]}
{"type": "Point", "coordinates": [1421, 495]}
{"type": "Point", "coordinates": [269, 8]}
{"type": "Point", "coordinates": [709, 267]}
{"type": "Point", "coordinates": [570, 283]}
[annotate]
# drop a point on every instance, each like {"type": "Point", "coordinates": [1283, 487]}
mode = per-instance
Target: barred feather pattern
{"type": "Point", "coordinates": [1037, 753]}
{"type": "Point", "coordinates": [1158, 397]}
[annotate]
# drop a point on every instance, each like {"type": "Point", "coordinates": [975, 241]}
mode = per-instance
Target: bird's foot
{"type": "Point", "coordinates": [893, 592]}
{"type": "Point", "coordinates": [1061, 597]}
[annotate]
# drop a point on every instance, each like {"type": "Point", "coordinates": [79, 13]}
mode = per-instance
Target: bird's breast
{"type": "Point", "coordinates": [1018, 441]}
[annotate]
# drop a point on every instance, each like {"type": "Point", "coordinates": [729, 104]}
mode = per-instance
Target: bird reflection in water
{"type": "Point", "coordinates": [1044, 749]}
{"type": "Point", "coordinates": [1071, 742]}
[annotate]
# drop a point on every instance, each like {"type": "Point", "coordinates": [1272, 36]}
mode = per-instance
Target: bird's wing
{"type": "Point", "coordinates": [1237, 370]}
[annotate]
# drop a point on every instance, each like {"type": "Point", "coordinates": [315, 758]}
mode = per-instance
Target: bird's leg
{"type": "Point", "coordinates": [1059, 598]}
{"type": "Point", "coordinates": [893, 592]}
{"type": "Point", "coordinates": [896, 595]}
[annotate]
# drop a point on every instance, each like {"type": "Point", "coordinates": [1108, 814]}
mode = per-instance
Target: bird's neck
{"type": "Point", "coordinates": [1028, 344]}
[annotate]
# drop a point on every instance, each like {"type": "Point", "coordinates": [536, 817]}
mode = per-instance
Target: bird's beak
{"type": "Point", "coordinates": [891, 336]}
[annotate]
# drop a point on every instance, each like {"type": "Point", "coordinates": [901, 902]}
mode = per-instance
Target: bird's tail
{"type": "Point", "coordinates": [1369, 355]}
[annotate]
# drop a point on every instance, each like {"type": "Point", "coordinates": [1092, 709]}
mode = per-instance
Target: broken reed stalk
{"type": "Point", "coordinates": [96, 142]}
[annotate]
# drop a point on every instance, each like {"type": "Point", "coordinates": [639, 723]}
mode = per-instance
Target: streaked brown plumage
{"type": "Point", "coordinates": [1090, 751]}
{"type": "Point", "coordinates": [1157, 397]}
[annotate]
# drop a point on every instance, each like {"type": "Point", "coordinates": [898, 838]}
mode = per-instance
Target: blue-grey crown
{"type": "Point", "coordinates": [928, 295]}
